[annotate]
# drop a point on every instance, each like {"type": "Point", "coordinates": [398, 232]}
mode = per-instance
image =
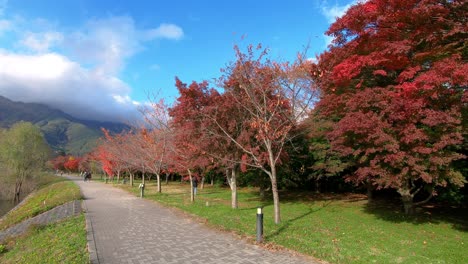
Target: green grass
{"type": "Point", "coordinates": [338, 229]}
{"type": "Point", "coordinates": [63, 242]}
{"type": "Point", "coordinates": [53, 191]}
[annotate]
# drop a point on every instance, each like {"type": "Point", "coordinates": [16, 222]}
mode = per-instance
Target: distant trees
{"type": "Point", "coordinates": [395, 80]}
{"type": "Point", "coordinates": [23, 151]}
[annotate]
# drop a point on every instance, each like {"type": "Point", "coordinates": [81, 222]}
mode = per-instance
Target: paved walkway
{"type": "Point", "coordinates": [54, 215]}
{"type": "Point", "coordinates": [126, 229]}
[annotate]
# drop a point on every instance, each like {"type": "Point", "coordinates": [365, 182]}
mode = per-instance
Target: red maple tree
{"type": "Point", "coordinates": [188, 142]}
{"type": "Point", "coordinates": [270, 99]}
{"type": "Point", "coordinates": [395, 81]}
{"type": "Point", "coordinates": [72, 164]}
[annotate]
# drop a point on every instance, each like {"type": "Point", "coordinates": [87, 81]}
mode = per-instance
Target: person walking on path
{"type": "Point", "coordinates": [194, 185]}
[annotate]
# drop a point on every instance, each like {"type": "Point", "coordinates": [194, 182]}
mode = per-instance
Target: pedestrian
{"type": "Point", "coordinates": [88, 175]}
{"type": "Point", "coordinates": [194, 185]}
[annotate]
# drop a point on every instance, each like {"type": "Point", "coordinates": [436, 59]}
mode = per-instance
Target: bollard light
{"type": "Point", "coordinates": [260, 224]}
{"type": "Point", "coordinates": [142, 190]}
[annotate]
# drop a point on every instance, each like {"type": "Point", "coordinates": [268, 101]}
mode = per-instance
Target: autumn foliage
{"type": "Point", "coordinates": [395, 78]}
{"type": "Point", "coordinates": [383, 106]}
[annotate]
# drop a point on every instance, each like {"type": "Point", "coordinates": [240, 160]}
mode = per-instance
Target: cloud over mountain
{"type": "Point", "coordinates": [77, 71]}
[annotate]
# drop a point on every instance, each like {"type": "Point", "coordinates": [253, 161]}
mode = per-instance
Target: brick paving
{"type": "Point", "coordinates": [125, 229]}
{"type": "Point", "coordinates": [54, 215]}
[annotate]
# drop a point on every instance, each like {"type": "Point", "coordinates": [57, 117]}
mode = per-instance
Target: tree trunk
{"type": "Point", "coordinates": [18, 191]}
{"type": "Point", "coordinates": [274, 189]}
{"type": "Point", "coordinates": [317, 185]}
{"type": "Point", "coordinates": [192, 196]}
{"type": "Point", "coordinates": [158, 179]}
{"type": "Point", "coordinates": [233, 185]}
{"type": "Point", "coordinates": [407, 199]}
{"type": "Point", "coordinates": [118, 176]}
{"type": "Point", "coordinates": [212, 180]}
{"type": "Point", "coordinates": [167, 179]}
{"type": "Point", "coordinates": [202, 184]}
{"type": "Point", "coordinates": [143, 178]}
{"type": "Point", "coordinates": [131, 179]}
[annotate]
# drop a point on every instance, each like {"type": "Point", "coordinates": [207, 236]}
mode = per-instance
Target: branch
{"type": "Point", "coordinates": [424, 201]}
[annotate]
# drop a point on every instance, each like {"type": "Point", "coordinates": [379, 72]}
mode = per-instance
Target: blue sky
{"type": "Point", "coordinates": [100, 59]}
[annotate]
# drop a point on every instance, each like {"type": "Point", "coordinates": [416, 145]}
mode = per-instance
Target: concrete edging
{"type": "Point", "coordinates": [93, 256]}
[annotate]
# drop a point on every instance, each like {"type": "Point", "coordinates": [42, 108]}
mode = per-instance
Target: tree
{"type": "Point", "coordinates": [58, 162]}
{"type": "Point", "coordinates": [72, 164]}
{"type": "Point", "coordinates": [325, 161]}
{"type": "Point", "coordinates": [157, 138]}
{"type": "Point", "coordinates": [187, 142]}
{"type": "Point", "coordinates": [118, 151]}
{"type": "Point", "coordinates": [275, 98]}
{"type": "Point", "coordinates": [394, 80]}
{"type": "Point", "coordinates": [195, 117]}
{"type": "Point", "coordinates": [23, 150]}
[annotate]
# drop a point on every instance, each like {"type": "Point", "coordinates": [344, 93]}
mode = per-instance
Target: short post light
{"type": "Point", "coordinates": [260, 224]}
{"type": "Point", "coordinates": [142, 189]}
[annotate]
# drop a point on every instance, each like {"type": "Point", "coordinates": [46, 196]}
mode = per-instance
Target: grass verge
{"type": "Point", "coordinates": [338, 229]}
{"type": "Point", "coordinates": [63, 242]}
{"type": "Point", "coordinates": [52, 191]}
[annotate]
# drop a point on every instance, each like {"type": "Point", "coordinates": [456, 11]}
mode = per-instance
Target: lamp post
{"type": "Point", "coordinates": [142, 189]}
{"type": "Point", "coordinates": [260, 224]}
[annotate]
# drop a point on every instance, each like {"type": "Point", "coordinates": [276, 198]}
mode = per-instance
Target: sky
{"type": "Point", "coordinates": [102, 60]}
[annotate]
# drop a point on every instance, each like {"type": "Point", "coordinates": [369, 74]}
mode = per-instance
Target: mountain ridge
{"type": "Point", "coordinates": [63, 132]}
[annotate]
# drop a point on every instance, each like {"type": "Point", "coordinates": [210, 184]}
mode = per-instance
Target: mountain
{"type": "Point", "coordinates": [63, 132]}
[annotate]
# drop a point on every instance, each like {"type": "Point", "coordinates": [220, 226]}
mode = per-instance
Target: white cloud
{"type": "Point", "coordinates": [76, 71]}
{"type": "Point", "coordinates": [5, 25]}
{"type": "Point", "coordinates": [155, 67]}
{"type": "Point", "coordinates": [328, 40]}
{"type": "Point", "coordinates": [41, 42]}
{"type": "Point", "coordinates": [336, 11]}
{"type": "Point", "coordinates": [55, 80]}
{"type": "Point", "coordinates": [313, 59]}
{"type": "Point", "coordinates": [105, 43]}
{"type": "Point", "coordinates": [165, 31]}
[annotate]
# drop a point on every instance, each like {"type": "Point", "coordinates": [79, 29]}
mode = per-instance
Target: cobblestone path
{"type": "Point", "coordinates": [125, 229]}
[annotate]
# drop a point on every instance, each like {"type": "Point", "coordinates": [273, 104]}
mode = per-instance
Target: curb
{"type": "Point", "coordinates": [93, 256]}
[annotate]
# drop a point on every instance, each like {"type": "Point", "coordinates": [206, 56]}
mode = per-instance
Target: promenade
{"type": "Point", "coordinates": [123, 228]}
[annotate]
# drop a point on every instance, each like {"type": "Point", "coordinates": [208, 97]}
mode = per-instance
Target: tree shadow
{"type": "Point", "coordinates": [286, 224]}
{"type": "Point", "coordinates": [435, 213]}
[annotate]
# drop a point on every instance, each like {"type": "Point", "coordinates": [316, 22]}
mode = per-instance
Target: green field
{"type": "Point", "coordinates": [335, 228]}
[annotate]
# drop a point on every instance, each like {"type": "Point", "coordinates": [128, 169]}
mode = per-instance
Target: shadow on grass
{"type": "Point", "coordinates": [391, 210]}
{"type": "Point", "coordinates": [288, 223]}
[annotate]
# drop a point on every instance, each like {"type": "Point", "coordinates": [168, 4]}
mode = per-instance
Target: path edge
{"type": "Point", "coordinates": [91, 242]}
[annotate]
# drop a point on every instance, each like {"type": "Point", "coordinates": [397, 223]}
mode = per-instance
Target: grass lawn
{"type": "Point", "coordinates": [52, 191]}
{"type": "Point", "coordinates": [335, 228]}
{"type": "Point", "coordinates": [63, 242]}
